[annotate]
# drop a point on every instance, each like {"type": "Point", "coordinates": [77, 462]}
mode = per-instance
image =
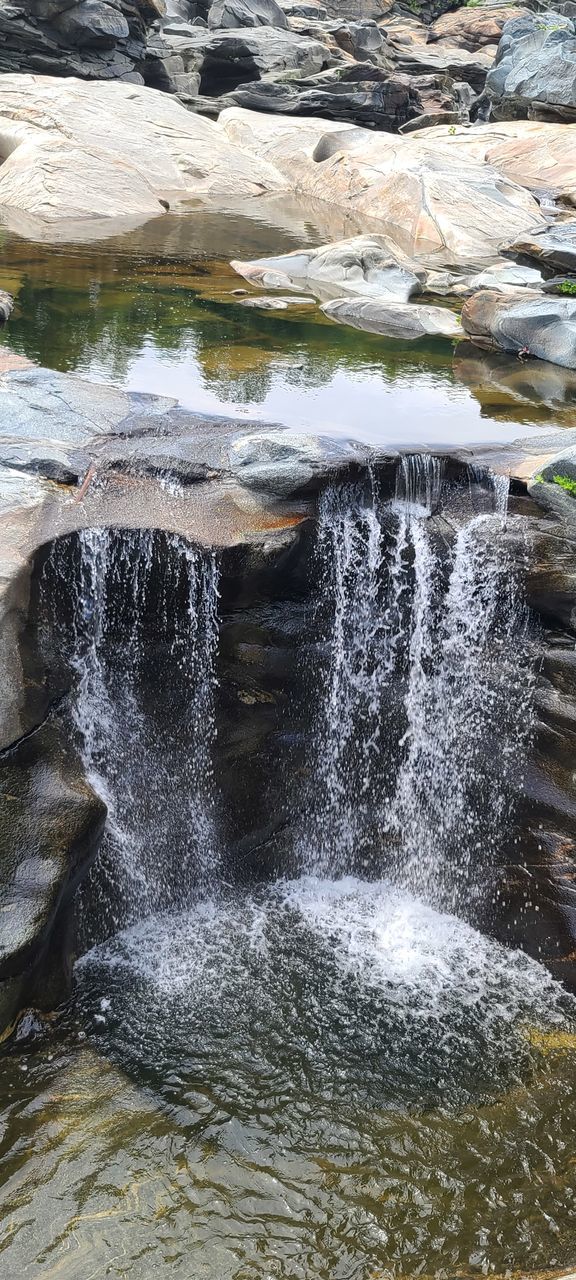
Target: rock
{"type": "Point", "coordinates": [407, 321]}
{"type": "Point", "coordinates": [430, 120]}
{"type": "Point", "coordinates": [276, 304]}
{"type": "Point", "coordinates": [246, 13]}
{"type": "Point", "coordinates": [564, 286]}
{"type": "Point", "coordinates": [506, 277]}
{"type": "Point", "coordinates": [362, 40]}
{"type": "Point", "coordinates": [91, 22]}
{"type": "Point", "coordinates": [474, 28]}
{"type": "Point", "coordinates": [228, 58]}
{"type": "Point", "coordinates": [285, 462]}
{"type": "Point", "coordinates": [534, 73]}
{"type": "Point", "coordinates": [554, 247]}
{"type": "Point", "coordinates": [533, 323]}
{"type": "Point", "coordinates": [139, 152]}
{"type": "Point", "coordinates": [444, 59]}
{"type": "Point", "coordinates": [361, 94]}
{"type": "Point", "coordinates": [434, 203]}
{"type": "Point", "coordinates": [534, 155]}
{"type": "Point", "coordinates": [92, 39]}
{"type": "Point", "coordinates": [6, 305]}
{"type": "Point", "coordinates": [362, 266]}
{"type": "Point", "coordinates": [305, 9]}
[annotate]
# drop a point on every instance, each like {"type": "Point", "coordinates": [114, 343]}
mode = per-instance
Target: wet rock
{"type": "Point", "coordinates": [139, 152]}
{"type": "Point", "coordinates": [246, 13]}
{"type": "Point", "coordinates": [408, 321]}
{"type": "Point", "coordinates": [285, 462]}
{"type": "Point", "coordinates": [530, 323]}
{"type": "Point", "coordinates": [362, 266]}
{"type": "Point", "coordinates": [49, 834]}
{"type": "Point", "coordinates": [554, 247]}
{"type": "Point", "coordinates": [275, 304]}
{"type": "Point", "coordinates": [6, 305]}
{"type": "Point", "coordinates": [535, 69]}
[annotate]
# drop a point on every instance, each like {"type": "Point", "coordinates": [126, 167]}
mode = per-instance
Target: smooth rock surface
{"type": "Point", "coordinates": [554, 247]}
{"type": "Point", "coordinates": [474, 28]}
{"type": "Point", "coordinates": [361, 266]}
{"type": "Point", "coordinates": [408, 321]}
{"type": "Point", "coordinates": [246, 13]}
{"type": "Point", "coordinates": [138, 152]}
{"type": "Point", "coordinates": [534, 324]}
{"type": "Point", "coordinates": [434, 202]}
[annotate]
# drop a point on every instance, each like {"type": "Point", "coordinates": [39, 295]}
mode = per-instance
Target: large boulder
{"type": "Point", "coordinates": [227, 58]}
{"type": "Point", "coordinates": [246, 13]}
{"type": "Point", "coordinates": [534, 73]}
{"type": "Point", "coordinates": [85, 151]}
{"type": "Point", "coordinates": [362, 267]}
{"type": "Point", "coordinates": [407, 321]}
{"type": "Point", "coordinates": [533, 324]}
{"type": "Point", "coordinates": [433, 202]}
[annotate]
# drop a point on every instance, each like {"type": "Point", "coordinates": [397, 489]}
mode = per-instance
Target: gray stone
{"type": "Point", "coordinates": [554, 247]}
{"type": "Point", "coordinates": [285, 462]}
{"type": "Point", "coordinates": [534, 324]}
{"type": "Point", "coordinates": [534, 74]}
{"type": "Point", "coordinates": [6, 305]}
{"type": "Point", "coordinates": [408, 321]}
{"type": "Point", "coordinates": [92, 23]}
{"type": "Point", "coordinates": [361, 93]}
{"type": "Point", "coordinates": [362, 266]}
{"type": "Point", "coordinates": [246, 13]}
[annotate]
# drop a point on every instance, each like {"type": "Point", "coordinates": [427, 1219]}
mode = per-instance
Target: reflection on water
{"type": "Point", "coordinates": [322, 1079]}
{"type": "Point", "coordinates": [157, 311]}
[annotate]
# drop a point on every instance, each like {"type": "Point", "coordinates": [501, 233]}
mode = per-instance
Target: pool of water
{"type": "Point", "coordinates": [315, 1079]}
{"type": "Point", "coordinates": [157, 311]}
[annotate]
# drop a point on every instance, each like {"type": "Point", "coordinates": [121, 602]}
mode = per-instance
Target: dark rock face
{"type": "Point", "coordinates": [246, 13]}
{"type": "Point", "coordinates": [534, 74]}
{"type": "Point", "coordinates": [91, 39]}
{"type": "Point", "coordinates": [361, 94]}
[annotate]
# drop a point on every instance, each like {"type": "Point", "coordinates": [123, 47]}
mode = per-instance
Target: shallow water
{"type": "Point", "coordinates": [317, 1079]}
{"type": "Point", "coordinates": [156, 311]}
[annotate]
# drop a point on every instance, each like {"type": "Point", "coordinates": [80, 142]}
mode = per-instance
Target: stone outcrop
{"type": "Point", "coordinates": [408, 321]}
{"type": "Point", "coordinates": [533, 324]}
{"type": "Point", "coordinates": [554, 247]}
{"type": "Point", "coordinates": [358, 94]}
{"type": "Point", "coordinates": [474, 28]}
{"type": "Point", "coordinates": [91, 39]}
{"type": "Point", "coordinates": [534, 73]}
{"type": "Point", "coordinates": [246, 13]}
{"type": "Point", "coordinates": [138, 152]}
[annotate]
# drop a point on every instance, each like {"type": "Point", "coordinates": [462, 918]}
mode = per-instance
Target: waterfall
{"type": "Point", "coordinates": [142, 649]}
{"type": "Point", "coordinates": [425, 709]}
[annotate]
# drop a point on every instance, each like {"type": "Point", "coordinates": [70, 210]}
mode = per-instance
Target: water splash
{"type": "Point", "coordinates": [142, 648]}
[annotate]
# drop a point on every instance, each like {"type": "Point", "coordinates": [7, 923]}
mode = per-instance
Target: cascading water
{"type": "Point", "coordinates": [144, 637]}
{"type": "Point", "coordinates": [426, 709]}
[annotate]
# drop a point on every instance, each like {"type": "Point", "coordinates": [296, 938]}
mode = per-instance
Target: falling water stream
{"type": "Point", "coordinates": [333, 1075]}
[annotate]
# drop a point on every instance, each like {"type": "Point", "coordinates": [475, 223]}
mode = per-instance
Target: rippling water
{"type": "Point", "coordinates": [314, 1079]}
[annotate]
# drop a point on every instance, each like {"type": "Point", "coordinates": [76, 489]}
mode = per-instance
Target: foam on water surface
{"type": "Point", "coordinates": [344, 986]}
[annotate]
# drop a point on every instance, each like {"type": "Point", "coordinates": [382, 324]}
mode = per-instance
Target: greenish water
{"type": "Point", "coordinates": [156, 311]}
{"type": "Point", "coordinates": [320, 1080]}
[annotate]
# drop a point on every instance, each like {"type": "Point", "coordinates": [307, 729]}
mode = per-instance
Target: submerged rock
{"type": "Point", "coordinates": [533, 324]}
{"type": "Point", "coordinates": [6, 305]}
{"type": "Point", "coordinates": [408, 321]}
{"type": "Point", "coordinates": [361, 266]}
